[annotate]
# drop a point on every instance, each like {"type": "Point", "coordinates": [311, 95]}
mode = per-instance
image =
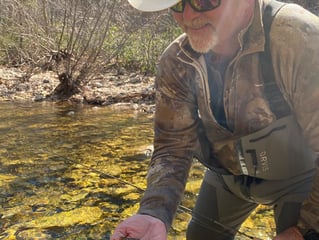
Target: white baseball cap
{"type": "Point", "coordinates": [152, 5]}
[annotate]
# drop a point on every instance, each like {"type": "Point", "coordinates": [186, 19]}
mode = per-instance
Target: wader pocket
{"type": "Point", "coordinates": [276, 152]}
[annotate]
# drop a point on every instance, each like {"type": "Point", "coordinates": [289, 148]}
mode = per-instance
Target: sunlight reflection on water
{"type": "Point", "coordinates": [59, 165]}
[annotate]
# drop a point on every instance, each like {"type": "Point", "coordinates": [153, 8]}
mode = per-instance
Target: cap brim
{"type": "Point", "coordinates": [152, 5]}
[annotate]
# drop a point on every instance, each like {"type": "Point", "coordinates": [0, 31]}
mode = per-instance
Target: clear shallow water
{"type": "Point", "coordinates": [52, 163]}
{"type": "Point", "coordinates": [66, 171]}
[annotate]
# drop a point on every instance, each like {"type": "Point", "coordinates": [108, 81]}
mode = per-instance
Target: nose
{"type": "Point", "coordinates": [189, 12]}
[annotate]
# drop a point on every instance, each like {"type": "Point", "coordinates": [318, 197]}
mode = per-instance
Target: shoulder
{"type": "Point", "coordinates": [174, 47]}
{"type": "Point", "coordinates": [294, 20]}
{"type": "Point", "coordinates": [171, 62]}
{"type": "Point", "coordinates": [295, 33]}
{"type": "Point", "coordinates": [294, 39]}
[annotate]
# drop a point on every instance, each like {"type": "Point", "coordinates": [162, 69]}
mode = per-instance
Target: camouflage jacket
{"type": "Point", "coordinates": [183, 98]}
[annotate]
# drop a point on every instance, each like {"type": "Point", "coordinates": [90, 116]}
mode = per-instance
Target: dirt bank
{"type": "Point", "coordinates": [131, 89]}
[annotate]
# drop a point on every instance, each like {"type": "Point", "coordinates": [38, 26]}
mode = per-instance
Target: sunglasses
{"type": "Point", "coordinates": [197, 5]}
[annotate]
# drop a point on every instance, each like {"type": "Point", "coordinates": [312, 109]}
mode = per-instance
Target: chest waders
{"type": "Point", "coordinates": [278, 151]}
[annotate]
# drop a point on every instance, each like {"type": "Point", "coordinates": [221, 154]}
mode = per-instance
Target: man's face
{"type": "Point", "coordinates": [212, 29]}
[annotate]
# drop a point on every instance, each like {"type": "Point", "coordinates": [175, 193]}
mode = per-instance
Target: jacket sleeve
{"type": "Point", "coordinates": [295, 53]}
{"type": "Point", "coordinates": [175, 138]}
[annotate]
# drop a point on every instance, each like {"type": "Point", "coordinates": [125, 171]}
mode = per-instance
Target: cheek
{"type": "Point", "coordinates": [178, 18]}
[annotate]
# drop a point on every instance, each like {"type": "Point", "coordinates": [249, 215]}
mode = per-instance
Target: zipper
{"type": "Point", "coordinates": [204, 80]}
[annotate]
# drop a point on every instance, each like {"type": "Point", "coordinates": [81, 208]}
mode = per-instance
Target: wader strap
{"type": "Point", "coordinates": [273, 94]}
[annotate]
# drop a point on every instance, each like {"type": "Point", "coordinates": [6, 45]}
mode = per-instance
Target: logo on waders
{"type": "Point", "coordinates": [264, 161]}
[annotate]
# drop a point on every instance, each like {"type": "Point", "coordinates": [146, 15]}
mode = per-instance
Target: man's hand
{"type": "Point", "coordinates": [290, 234]}
{"type": "Point", "coordinates": [142, 227]}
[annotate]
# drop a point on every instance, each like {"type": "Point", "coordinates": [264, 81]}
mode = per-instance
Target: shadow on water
{"type": "Point", "coordinates": [60, 167]}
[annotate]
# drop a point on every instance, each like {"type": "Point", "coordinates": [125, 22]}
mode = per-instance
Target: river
{"type": "Point", "coordinates": [74, 171]}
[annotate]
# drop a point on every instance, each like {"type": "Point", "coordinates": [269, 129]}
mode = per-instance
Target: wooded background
{"type": "Point", "coordinates": [78, 38]}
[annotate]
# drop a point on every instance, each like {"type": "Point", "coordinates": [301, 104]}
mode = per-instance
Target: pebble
{"type": "Point", "coordinates": [15, 87]}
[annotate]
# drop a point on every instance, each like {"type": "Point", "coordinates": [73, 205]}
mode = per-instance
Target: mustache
{"type": "Point", "coordinates": [196, 23]}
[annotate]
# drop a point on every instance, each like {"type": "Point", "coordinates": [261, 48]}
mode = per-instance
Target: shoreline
{"type": "Point", "coordinates": [131, 89]}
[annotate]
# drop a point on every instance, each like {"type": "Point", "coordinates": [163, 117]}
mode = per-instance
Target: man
{"type": "Point", "coordinates": [211, 92]}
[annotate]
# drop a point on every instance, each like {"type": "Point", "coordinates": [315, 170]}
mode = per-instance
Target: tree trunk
{"type": "Point", "coordinates": [66, 88]}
